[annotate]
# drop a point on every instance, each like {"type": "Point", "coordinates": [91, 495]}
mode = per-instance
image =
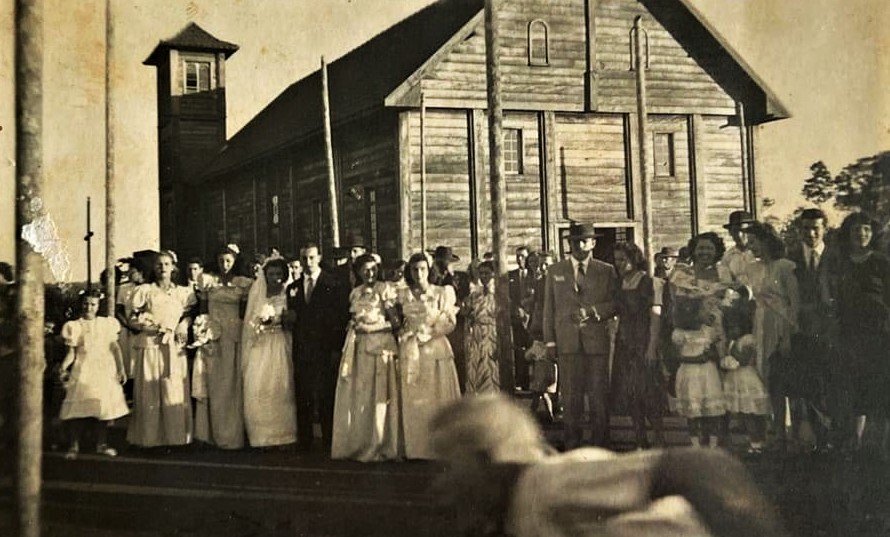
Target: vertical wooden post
{"type": "Point", "coordinates": [640, 50]}
{"type": "Point", "coordinates": [109, 169]}
{"type": "Point", "coordinates": [30, 307]}
{"type": "Point", "coordinates": [329, 156]}
{"type": "Point", "coordinates": [423, 237]}
{"type": "Point", "coordinates": [498, 188]}
{"type": "Point", "coordinates": [743, 157]}
{"type": "Point", "coordinates": [89, 240]}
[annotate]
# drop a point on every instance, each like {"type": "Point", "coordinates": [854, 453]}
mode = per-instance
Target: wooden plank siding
{"type": "Point", "coordinates": [676, 84]}
{"type": "Point", "coordinates": [671, 193]}
{"type": "Point", "coordinates": [458, 80]}
{"type": "Point", "coordinates": [591, 168]}
{"type": "Point", "coordinates": [719, 143]}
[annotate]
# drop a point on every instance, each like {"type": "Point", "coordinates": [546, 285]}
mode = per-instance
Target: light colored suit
{"type": "Point", "coordinates": [582, 345]}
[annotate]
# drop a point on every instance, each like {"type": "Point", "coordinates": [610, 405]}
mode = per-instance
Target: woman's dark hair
{"type": "Point", "coordinates": [714, 238]}
{"type": "Point", "coordinates": [485, 264]}
{"type": "Point", "coordinates": [858, 219]}
{"type": "Point", "coordinates": [361, 261]}
{"type": "Point", "coordinates": [415, 258]}
{"type": "Point", "coordinates": [195, 261]}
{"type": "Point", "coordinates": [277, 262]}
{"type": "Point", "coordinates": [239, 268]}
{"type": "Point", "coordinates": [633, 254]}
{"type": "Point", "coordinates": [769, 237]}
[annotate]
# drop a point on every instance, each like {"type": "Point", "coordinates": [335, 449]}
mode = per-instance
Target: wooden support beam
{"type": "Point", "coordinates": [329, 157]}
{"type": "Point", "coordinates": [29, 53]}
{"type": "Point", "coordinates": [591, 76]}
{"type": "Point", "coordinates": [423, 237]}
{"type": "Point", "coordinates": [498, 186]}
{"type": "Point", "coordinates": [698, 150]}
{"type": "Point", "coordinates": [404, 163]}
{"type": "Point", "coordinates": [641, 64]}
{"type": "Point", "coordinates": [110, 230]}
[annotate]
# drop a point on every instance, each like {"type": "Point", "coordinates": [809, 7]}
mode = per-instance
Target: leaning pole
{"type": "Point", "coordinates": [498, 188]}
{"type": "Point", "coordinates": [30, 308]}
{"type": "Point", "coordinates": [110, 275]}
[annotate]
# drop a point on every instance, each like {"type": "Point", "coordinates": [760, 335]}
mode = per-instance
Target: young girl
{"type": "Point", "coordinates": [745, 391]}
{"type": "Point", "coordinates": [93, 371]}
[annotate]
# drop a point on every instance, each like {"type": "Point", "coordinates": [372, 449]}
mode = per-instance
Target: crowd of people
{"type": "Point", "coordinates": [789, 340]}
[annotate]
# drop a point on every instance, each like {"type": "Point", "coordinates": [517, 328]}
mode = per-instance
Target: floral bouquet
{"type": "Point", "coordinates": [146, 321]}
{"type": "Point", "coordinates": [265, 319]}
{"type": "Point", "coordinates": [205, 330]}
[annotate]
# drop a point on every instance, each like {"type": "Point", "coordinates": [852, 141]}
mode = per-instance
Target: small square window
{"type": "Point", "coordinates": [197, 76]}
{"type": "Point", "coordinates": [665, 162]}
{"type": "Point", "coordinates": [513, 151]}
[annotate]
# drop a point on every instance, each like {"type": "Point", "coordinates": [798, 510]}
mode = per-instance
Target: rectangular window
{"type": "Point", "coordinates": [275, 216]}
{"type": "Point", "coordinates": [197, 76]}
{"type": "Point", "coordinates": [665, 162]}
{"type": "Point", "coordinates": [513, 151]}
{"type": "Point", "coordinates": [371, 218]}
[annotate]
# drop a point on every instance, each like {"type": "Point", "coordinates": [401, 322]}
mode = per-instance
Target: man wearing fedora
{"type": "Point", "coordinates": [579, 299]}
{"type": "Point", "coordinates": [739, 258]}
{"type": "Point", "coordinates": [665, 260]}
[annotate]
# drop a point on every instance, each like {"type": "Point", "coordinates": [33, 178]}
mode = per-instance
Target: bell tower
{"type": "Point", "coordinates": [191, 100]}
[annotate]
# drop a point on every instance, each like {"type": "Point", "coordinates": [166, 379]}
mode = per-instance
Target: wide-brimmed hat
{"type": "Point", "coordinates": [583, 231]}
{"type": "Point", "coordinates": [445, 252]}
{"type": "Point", "coordinates": [355, 240]}
{"type": "Point", "coordinates": [739, 220]}
{"type": "Point", "coordinates": [667, 251]}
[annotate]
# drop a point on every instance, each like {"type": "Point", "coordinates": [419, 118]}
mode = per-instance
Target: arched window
{"type": "Point", "coordinates": [538, 43]}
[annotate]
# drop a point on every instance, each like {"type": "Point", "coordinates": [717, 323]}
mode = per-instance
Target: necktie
{"type": "Point", "coordinates": [310, 286]}
{"type": "Point", "coordinates": [813, 260]}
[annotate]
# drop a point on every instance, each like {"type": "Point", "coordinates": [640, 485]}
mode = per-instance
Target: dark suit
{"type": "Point", "coordinates": [520, 288]}
{"type": "Point", "coordinates": [318, 333]}
{"type": "Point", "coordinates": [582, 348]}
{"type": "Point", "coordinates": [816, 374]}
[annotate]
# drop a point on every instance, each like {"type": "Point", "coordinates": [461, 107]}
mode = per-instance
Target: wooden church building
{"type": "Point", "coordinates": [410, 131]}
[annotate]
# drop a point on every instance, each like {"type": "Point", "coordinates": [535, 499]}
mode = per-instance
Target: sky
{"type": "Point", "coordinates": [827, 60]}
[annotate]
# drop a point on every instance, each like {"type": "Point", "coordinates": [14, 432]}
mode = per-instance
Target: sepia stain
{"type": "Point", "coordinates": [43, 236]}
{"type": "Point", "coordinates": [192, 10]}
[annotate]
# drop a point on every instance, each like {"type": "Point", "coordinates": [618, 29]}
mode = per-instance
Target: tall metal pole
{"type": "Point", "coordinates": [641, 64]}
{"type": "Point", "coordinates": [329, 154]}
{"type": "Point", "coordinates": [109, 169]}
{"type": "Point", "coordinates": [498, 187]}
{"type": "Point", "coordinates": [423, 241]}
{"type": "Point", "coordinates": [89, 240]}
{"type": "Point", "coordinates": [30, 307]}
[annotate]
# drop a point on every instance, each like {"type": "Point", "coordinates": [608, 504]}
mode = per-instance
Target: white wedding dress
{"type": "Point", "coordinates": [270, 411]}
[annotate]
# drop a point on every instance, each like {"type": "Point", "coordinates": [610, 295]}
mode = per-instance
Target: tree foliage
{"type": "Point", "coordinates": [863, 185]}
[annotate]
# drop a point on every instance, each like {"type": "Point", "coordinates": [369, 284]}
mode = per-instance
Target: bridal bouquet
{"type": "Point", "coordinates": [265, 319]}
{"type": "Point", "coordinates": [205, 331]}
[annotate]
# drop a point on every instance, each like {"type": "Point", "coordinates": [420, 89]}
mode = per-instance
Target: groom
{"type": "Point", "coordinates": [318, 309]}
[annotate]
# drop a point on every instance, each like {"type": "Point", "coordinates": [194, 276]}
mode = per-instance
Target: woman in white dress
{"type": "Point", "coordinates": [270, 411]}
{"type": "Point", "coordinates": [428, 374]}
{"type": "Point", "coordinates": [219, 416]}
{"type": "Point", "coordinates": [366, 409]}
{"type": "Point", "coordinates": [162, 413]}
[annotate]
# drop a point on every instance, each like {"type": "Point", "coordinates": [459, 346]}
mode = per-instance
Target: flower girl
{"type": "Point", "coordinates": [92, 372]}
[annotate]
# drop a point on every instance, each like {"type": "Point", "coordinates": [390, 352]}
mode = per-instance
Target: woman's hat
{"type": "Point", "coordinates": [583, 231]}
{"type": "Point", "coordinates": [739, 220]}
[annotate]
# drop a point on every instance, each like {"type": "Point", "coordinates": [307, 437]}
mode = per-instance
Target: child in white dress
{"type": "Point", "coordinates": [93, 371]}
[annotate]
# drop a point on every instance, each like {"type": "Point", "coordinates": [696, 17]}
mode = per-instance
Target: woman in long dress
{"type": "Point", "coordinates": [270, 409]}
{"type": "Point", "coordinates": [219, 415]}
{"type": "Point", "coordinates": [775, 318]}
{"type": "Point", "coordinates": [482, 337]}
{"type": "Point", "coordinates": [428, 375]}
{"type": "Point", "coordinates": [637, 389]}
{"type": "Point", "coordinates": [366, 409]}
{"type": "Point", "coordinates": [863, 298]}
{"type": "Point", "coordinates": [162, 413]}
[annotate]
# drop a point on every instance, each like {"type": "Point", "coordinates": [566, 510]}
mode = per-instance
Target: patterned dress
{"type": "Point", "coordinates": [428, 375]}
{"type": "Point", "coordinates": [93, 390]}
{"type": "Point", "coordinates": [482, 342]}
{"type": "Point", "coordinates": [162, 413]}
{"type": "Point", "coordinates": [366, 409]}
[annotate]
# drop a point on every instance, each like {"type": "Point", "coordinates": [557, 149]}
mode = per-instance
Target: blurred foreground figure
{"type": "Point", "coordinates": [504, 479]}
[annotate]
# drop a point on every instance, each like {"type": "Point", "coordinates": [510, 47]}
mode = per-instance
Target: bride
{"type": "Point", "coordinates": [270, 411]}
